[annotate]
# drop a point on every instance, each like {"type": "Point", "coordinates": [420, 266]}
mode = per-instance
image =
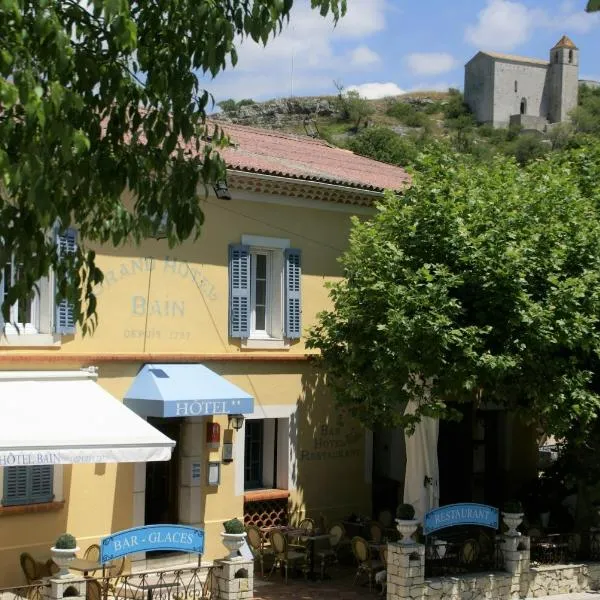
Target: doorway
{"type": "Point", "coordinates": [162, 478]}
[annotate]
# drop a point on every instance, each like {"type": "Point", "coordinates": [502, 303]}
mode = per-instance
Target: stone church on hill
{"type": "Point", "coordinates": [502, 89]}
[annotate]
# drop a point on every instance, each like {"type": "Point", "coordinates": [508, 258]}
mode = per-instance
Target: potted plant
{"type": "Point", "coordinates": [234, 536]}
{"type": "Point", "coordinates": [406, 523]}
{"type": "Point", "coordinates": [513, 517]}
{"type": "Point", "coordinates": [63, 552]}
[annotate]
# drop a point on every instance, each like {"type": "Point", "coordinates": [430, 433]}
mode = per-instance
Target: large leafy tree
{"type": "Point", "coordinates": [480, 283]}
{"type": "Point", "coordinates": [100, 97]}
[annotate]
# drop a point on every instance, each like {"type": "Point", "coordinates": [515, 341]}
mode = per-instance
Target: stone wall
{"type": "Point", "coordinates": [406, 577]}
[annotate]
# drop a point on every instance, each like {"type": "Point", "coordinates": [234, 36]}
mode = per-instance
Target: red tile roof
{"type": "Point", "coordinates": [273, 153]}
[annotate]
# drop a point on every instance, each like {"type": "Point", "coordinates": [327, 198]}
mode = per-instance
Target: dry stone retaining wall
{"type": "Point", "coordinates": [406, 577]}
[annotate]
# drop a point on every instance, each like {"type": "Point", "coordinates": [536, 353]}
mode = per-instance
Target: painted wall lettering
{"type": "Point", "coordinates": [137, 266]}
{"type": "Point", "coordinates": [157, 308]}
{"type": "Point", "coordinates": [332, 442]}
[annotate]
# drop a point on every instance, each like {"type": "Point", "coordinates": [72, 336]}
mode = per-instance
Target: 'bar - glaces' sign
{"type": "Point", "coordinates": [151, 537]}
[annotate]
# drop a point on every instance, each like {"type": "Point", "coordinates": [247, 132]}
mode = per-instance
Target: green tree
{"type": "Point", "coordinates": [480, 283]}
{"type": "Point", "coordinates": [102, 96]}
{"type": "Point", "coordinates": [352, 106]}
{"type": "Point", "coordinates": [383, 144]}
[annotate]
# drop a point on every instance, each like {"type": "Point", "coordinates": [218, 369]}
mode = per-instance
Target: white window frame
{"type": "Point", "coordinates": [286, 468]}
{"type": "Point", "coordinates": [14, 327]}
{"type": "Point", "coordinates": [272, 337]}
{"type": "Point", "coordinates": [270, 283]}
{"type": "Point", "coordinates": [40, 332]}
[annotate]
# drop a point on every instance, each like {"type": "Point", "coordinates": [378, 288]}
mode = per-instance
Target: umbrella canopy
{"type": "Point", "coordinates": [421, 482]}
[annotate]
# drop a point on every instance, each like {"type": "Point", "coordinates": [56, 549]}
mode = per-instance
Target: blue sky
{"type": "Point", "coordinates": [386, 47]}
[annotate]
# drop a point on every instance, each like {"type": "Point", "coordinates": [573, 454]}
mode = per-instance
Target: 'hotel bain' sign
{"type": "Point", "coordinates": [460, 514]}
{"type": "Point", "coordinates": [152, 537]}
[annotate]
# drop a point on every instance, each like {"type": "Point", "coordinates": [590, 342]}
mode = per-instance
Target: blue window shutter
{"type": "Point", "coordinates": [66, 243]}
{"type": "Point", "coordinates": [15, 486]}
{"type": "Point", "coordinates": [239, 291]}
{"type": "Point", "coordinates": [293, 294]}
{"type": "Point", "coordinates": [41, 479]}
{"type": "Point", "coordinates": [2, 272]}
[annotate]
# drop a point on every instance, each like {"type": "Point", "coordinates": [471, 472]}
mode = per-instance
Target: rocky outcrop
{"type": "Point", "coordinates": [278, 114]}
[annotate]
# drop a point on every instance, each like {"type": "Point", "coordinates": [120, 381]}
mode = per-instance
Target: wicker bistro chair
{"type": "Point", "coordinates": [386, 518]}
{"type": "Point", "coordinates": [329, 556]}
{"type": "Point", "coordinates": [259, 547]}
{"type": "Point", "coordinates": [29, 567]}
{"type": "Point", "coordinates": [284, 556]}
{"type": "Point", "coordinates": [366, 564]}
{"type": "Point", "coordinates": [376, 532]}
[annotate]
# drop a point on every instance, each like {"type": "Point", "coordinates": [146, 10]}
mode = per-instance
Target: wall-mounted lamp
{"type": "Point", "coordinates": [236, 421]}
{"type": "Point", "coordinates": [160, 226]}
{"type": "Point", "coordinates": [222, 191]}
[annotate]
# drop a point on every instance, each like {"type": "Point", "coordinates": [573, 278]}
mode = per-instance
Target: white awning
{"type": "Point", "coordinates": [65, 417]}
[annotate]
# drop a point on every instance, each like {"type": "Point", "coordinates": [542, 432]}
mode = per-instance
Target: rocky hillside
{"type": "Point", "coordinates": [316, 115]}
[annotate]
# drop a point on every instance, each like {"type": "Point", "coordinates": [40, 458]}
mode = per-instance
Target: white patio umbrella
{"type": "Point", "coordinates": [421, 481]}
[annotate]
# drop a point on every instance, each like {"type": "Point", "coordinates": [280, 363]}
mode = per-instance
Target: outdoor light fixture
{"type": "Point", "coordinates": [236, 421]}
{"type": "Point", "coordinates": [222, 191]}
{"type": "Point", "coordinates": [160, 228]}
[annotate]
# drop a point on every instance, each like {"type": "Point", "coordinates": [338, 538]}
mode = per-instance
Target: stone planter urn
{"type": "Point", "coordinates": [439, 548]}
{"type": "Point", "coordinates": [407, 528]}
{"type": "Point", "coordinates": [233, 542]}
{"type": "Point", "coordinates": [62, 557]}
{"type": "Point", "coordinates": [512, 521]}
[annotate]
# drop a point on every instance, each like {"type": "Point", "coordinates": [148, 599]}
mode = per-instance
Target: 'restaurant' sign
{"type": "Point", "coordinates": [151, 537]}
{"type": "Point", "coordinates": [460, 514]}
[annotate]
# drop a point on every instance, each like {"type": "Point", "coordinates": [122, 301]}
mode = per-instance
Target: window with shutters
{"type": "Point", "coordinates": [27, 485]}
{"type": "Point", "coordinates": [24, 313]}
{"type": "Point", "coordinates": [265, 299]}
{"type": "Point", "coordinates": [35, 320]}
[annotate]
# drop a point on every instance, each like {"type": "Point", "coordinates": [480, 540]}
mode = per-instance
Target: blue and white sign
{"type": "Point", "coordinates": [460, 514]}
{"type": "Point", "coordinates": [151, 537]}
{"type": "Point", "coordinates": [185, 390]}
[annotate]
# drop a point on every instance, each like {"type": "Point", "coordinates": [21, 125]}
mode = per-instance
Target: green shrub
{"type": "Point", "coordinates": [66, 542]}
{"type": "Point", "coordinates": [527, 147]}
{"type": "Point", "coordinates": [227, 105]}
{"type": "Point", "coordinates": [384, 145]}
{"type": "Point", "coordinates": [513, 506]}
{"type": "Point", "coordinates": [233, 526]}
{"type": "Point", "coordinates": [405, 512]}
{"type": "Point", "coordinates": [408, 114]}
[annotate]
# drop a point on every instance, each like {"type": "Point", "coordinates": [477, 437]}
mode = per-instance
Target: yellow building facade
{"type": "Point", "coordinates": [160, 308]}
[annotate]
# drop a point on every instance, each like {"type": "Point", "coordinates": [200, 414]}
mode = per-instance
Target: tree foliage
{"type": "Point", "coordinates": [102, 96]}
{"type": "Point", "coordinates": [480, 283]}
{"type": "Point", "coordinates": [352, 106]}
{"type": "Point", "coordinates": [383, 144]}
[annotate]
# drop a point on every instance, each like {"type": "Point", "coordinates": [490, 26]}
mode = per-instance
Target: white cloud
{"type": "Point", "coordinates": [307, 49]}
{"type": "Point", "coordinates": [507, 24]}
{"type": "Point", "coordinates": [362, 56]}
{"type": "Point", "coordinates": [373, 91]}
{"type": "Point", "coordinates": [502, 25]}
{"type": "Point", "coordinates": [430, 63]}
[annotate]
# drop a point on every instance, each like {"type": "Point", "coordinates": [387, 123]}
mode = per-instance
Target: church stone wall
{"type": "Point", "coordinates": [530, 86]}
{"type": "Point", "coordinates": [479, 88]}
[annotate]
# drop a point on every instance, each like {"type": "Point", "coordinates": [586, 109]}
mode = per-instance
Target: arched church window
{"type": "Point", "coordinates": [570, 56]}
{"type": "Point", "coordinates": [523, 109]}
{"type": "Point", "coordinates": [556, 57]}
{"type": "Point", "coordinates": [516, 86]}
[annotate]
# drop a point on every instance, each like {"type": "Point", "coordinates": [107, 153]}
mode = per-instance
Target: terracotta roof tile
{"type": "Point", "coordinates": [565, 42]}
{"type": "Point", "coordinates": [515, 58]}
{"type": "Point", "coordinates": [273, 153]}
